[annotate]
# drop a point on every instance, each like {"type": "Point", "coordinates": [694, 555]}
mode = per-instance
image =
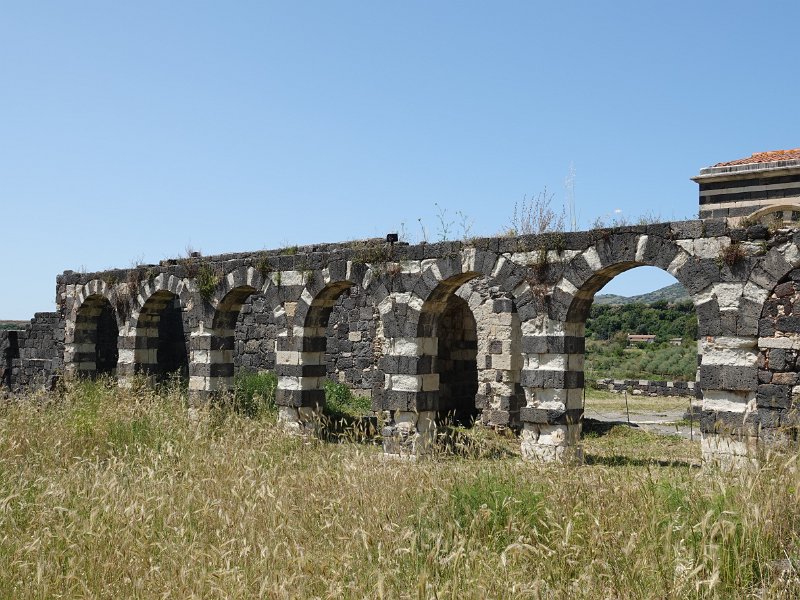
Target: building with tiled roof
{"type": "Point", "coordinates": [763, 186]}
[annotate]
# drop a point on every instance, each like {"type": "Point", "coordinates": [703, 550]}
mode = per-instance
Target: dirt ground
{"type": "Point", "coordinates": [661, 414]}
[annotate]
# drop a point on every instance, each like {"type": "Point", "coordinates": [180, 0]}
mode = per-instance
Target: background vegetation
{"type": "Point", "coordinates": [658, 362]}
{"type": "Point", "coordinates": [662, 319]}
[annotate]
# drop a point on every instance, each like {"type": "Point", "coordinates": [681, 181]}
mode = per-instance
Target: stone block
{"type": "Point", "coordinates": [766, 327]}
{"type": "Point", "coordinates": [721, 422]}
{"type": "Point", "coordinates": [686, 229]}
{"type": "Point", "coordinates": [788, 324]}
{"type": "Point", "coordinates": [715, 227]}
{"type": "Point", "coordinates": [545, 416]}
{"type": "Point", "coordinates": [773, 396]}
{"type": "Point", "coordinates": [503, 305]}
{"type": "Point", "coordinates": [777, 359]}
{"type": "Point", "coordinates": [698, 274]}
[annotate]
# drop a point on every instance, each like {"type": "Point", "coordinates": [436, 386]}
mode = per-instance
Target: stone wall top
{"type": "Point", "coordinates": [313, 256]}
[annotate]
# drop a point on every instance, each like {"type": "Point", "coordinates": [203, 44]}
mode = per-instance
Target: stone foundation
{"type": "Point", "coordinates": [647, 387]}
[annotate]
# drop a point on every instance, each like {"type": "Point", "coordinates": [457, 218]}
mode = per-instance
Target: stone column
{"type": "Point", "coordinates": [300, 366]}
{"type": "Point", "coordinates": [411, 392]}
{"type": "Point", "coordinates": [126, 367]}
{"type": "Point", "coordinates": [201, 360]}
{"type": "Point", "coordinates": [729, 380]}
{"type": "Point", "coordinates": [504, 361]}
{"type": "Point", "coordinates": [553, 381]}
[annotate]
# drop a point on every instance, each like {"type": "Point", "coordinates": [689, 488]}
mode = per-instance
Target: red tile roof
{"type": "Point", "coordinates": [763, 157]}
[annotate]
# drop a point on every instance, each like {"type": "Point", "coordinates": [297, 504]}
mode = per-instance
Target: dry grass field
{"type": "Point", "coordinates": [109, 493]}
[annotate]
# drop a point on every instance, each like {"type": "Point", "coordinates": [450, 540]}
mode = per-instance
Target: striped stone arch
{"type": "Point", "coordinates": [300, 357]}
{"type": "Point", "coordinates": [788, 214]}
{"type": "Point", "coordinates": [212, 346]}
{"type": "Point", "coordinates": [154, 340]}
{"type": "Point", "coordinates": [412, 314]}
{"type": "Point", "coordinates": [593, 268]}
{"type": "Point", "coordinates": [92, 330]}
{"type": "Point", "coordinates": [417, 288]}
{"type": "Point", "coordinates": [554, 353]}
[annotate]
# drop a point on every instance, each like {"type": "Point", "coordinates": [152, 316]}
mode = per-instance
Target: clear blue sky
{"type": "Point", "coordinates": [133, 130]}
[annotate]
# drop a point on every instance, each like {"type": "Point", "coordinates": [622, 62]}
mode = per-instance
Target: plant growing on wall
{"type": "Point", "coordinates": [535, 215]}
{"type": "Point", "coordinates": [207, 281]}
{"type": "Point", "coordinates": [263, 265]}
{"type": "Point", "coordinates": [731, 254]}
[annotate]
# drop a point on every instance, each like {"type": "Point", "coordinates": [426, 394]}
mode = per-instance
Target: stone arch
{"type": "Point", "coordinates": [220, 369]}
{"type": "Point", "coordinates": [786, 213]}
{"type": "Point", "coordinates": [774, 414]}
{"type": "Point", "coordinates": [163, 282]}
{"type": "Point", "coordinates": [300, 351]}
{"type": "Point", "coordinates": [92, 332]}
{"type": "Point", "coordinates": [211, 346]}
{"type": "Point", "coordinates": [447, 344]}
{"type": "Point", "coordinates": [159, 334]}
{"type": "Point", "coordinates": [417, 287]}
{"type": "Point", "coordinates": [412, 309]}
{"type": "Point", "coordinates": [593, 268]}
{"type": "Point", "coordinates": [554, 349]}
{"type": "Point", "coordinates": [420, 360]}
{"type": "Point", "coordinates": [238, 278]}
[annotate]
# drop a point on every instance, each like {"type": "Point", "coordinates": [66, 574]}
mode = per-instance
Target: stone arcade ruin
{"type": "Point", "coordinates": [490, 328]}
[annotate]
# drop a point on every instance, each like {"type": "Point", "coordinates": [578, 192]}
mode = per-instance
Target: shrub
{"type": "Point", "coordinates": [207, 281]}
{"type": "Point", "coordinates": [254, 393]}
{"type": "Point", "coordinates": [731, 254]}
{"type": "Point", "coordinates": [341, 403]}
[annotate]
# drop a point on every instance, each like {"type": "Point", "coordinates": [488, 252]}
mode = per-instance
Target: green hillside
{"type": "Point", "coordinates": [667, 313]}
{"type": "Point", "coordinates": [673, 294]}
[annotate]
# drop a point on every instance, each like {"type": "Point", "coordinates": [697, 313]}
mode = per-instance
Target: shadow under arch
{"type": "Point", "coordinates": [95, 341]}
{"type": "Point", "coordinates": [223, 337]}
{"type": "Point", "coordinates": [470, 354]}
{"type": "Point", "coordinates": [161, 341]}
{"type": "Point", "coordinates": [449, 352]}
{"type": "Point", "coordinates": [300, 362]}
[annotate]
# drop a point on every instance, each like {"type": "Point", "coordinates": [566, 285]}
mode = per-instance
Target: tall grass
{"type": "Point", "coordinates": [122, 493]}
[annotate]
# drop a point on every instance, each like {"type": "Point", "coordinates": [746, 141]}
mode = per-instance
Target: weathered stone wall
{"type": "Point", "coordinates": [9, 350]}
{"type": "Point", "coordinates": [353, 342]}
{"type": "Point", "coordinates": [377, 317]}
{"type": "Point", "coordinates": [33, 356]}
{"type": "Point", "coordinates": [256, 332]}
{"type": "Point", "coordinates": [648, 387]}
{"type": "Point", "coordinates": [779, 346]}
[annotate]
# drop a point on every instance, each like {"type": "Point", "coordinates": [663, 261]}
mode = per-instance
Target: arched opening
{"type": "Point", "coordinates": [775, 414]}
{"type": "Point", "coordinates": [354, 341]}
{"type": "Point", "coordinates": [640, 359]}
{"type": "Point", "coordinates": [456, 361]}
{"type": "Point", "coordinates": [96, 338]}
{"type": "Point", "coordinates": [316, 337]}
{"type": "Point", "coordinates": [161, 340]}
{"type": "Point", "coordinates": [223, 343]}
{"type": "Point", "coordinates": [448, 338]}
{"type": "Point", "coordinates": [776, 215]}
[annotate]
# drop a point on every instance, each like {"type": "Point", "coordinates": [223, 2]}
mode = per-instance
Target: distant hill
{"type": "Point", "coordinates": [13, 324]}
{"type": "Point", "coordinates": [672, 293]}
